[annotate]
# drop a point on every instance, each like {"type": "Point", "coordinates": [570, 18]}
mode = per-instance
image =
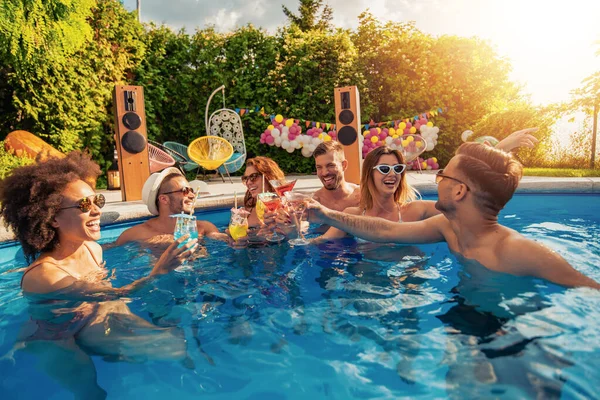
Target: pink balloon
{"type": "Point", "coordinates": [262, 141]}
{"type": "Point", "coordinates": [383, 135]}
{"type": "Point", "coordinates": [435, 166]}
{"type": "Point", "coordinates": [409, 125]}
{"type": "Point", "coordinates": [368, 137]}
{"type": "Point", "coordinates": [270, 139]}
{"type": "Point", "coordinates": [407, 131]}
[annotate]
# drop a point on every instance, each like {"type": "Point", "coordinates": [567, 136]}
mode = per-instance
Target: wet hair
{"type": "Point", "coordinates": [331, 146]}
{"type": "Point", "coordinates": [495, 173]}
{"type": "Point", "coordinates": [403, 194]}
{"type": "Point", "coordinates": [266, 167]}
{"type": "Point", "coordinates": [166, 179]}
{"type": "Point", "coordinates": [31, 196]}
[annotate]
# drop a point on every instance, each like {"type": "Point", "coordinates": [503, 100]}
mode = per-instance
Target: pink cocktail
{"type": "Point", "coordinates": [282, 186]}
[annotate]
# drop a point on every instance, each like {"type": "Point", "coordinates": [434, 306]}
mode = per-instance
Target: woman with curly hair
{"type": "Point", "coordinates": [55, 214]}
{"type": "Point", "coordinates": [258, 170]}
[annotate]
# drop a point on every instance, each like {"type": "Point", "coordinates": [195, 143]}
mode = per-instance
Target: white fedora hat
{"type": "Point", "coordinates": [152, 185]}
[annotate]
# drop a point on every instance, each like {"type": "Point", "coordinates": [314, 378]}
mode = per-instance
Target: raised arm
{"type": "Point", "coordinates": [526, 257]}
{"type": "Point", "coordinates": [522, 138]}
{"type": "Point", "coordinates": [379, 229]}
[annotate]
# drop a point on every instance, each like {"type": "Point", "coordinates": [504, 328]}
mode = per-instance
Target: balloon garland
{"type": "Point", "coordinates": [287, 134]}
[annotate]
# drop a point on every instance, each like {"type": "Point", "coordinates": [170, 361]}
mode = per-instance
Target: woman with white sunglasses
{"type": "Point", "coordinates": [386, 193]}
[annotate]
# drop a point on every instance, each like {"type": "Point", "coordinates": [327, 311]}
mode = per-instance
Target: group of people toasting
{"type": "Point", "coordinates": [54, 212]}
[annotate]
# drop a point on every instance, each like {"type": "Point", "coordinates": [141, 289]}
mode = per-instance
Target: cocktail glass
{"type": "Point", "coordinates": [297, 203]}
{"type": "Point", "coordinates": [185, 224]}
{"type": "Point", "coordinates": [282, 186]}
{"type": "Point", "coordinates": [272, 203]}
{"type": "Point", "coordinates": [238, 224]}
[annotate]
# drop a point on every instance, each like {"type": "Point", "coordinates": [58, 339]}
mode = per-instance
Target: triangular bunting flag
{"type": "Point", "coordinates": [307, 124]}
{"type": "Point", "coordinates": [242, 112]}
{"type": "Point", "coordinates": [237, 110]}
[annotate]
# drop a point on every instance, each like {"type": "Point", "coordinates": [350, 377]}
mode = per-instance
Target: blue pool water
{"type": "Point", "coordinates": [349, 320]}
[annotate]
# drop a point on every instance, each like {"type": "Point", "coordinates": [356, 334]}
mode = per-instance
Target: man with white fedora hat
{"type": "Point", "coordinates": [166, 193]}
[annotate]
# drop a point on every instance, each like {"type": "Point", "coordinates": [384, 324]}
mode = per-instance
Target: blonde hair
{"type": "Point", "coordinates": [405, 192]}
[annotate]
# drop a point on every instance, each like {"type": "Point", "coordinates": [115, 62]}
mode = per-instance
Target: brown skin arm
{"type": "Point", "coordinates": [378, 229]}
{"type": "Point", "coordinates": [523, 256]}
{"type": "Point", "coordinates": [48, 278]}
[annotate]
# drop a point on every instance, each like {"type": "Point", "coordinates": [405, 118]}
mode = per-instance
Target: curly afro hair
{"type": "Point", "coordinates": [31, 196]}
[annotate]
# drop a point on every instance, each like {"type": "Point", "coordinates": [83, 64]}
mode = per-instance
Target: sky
{"type": "Point", "coordinates": [551, 43]}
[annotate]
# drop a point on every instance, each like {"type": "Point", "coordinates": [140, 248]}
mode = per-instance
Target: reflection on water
{"type": "Point", "coordinates": [346, 319]}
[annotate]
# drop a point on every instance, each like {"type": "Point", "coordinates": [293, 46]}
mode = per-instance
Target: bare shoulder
{"type": "Point", "coordinates": [206, 227]}
{"type": "Point", "coordinates": [46, 277]}
{"type": "Point", "coordinates": [418, 210]}
{"type": "Point", "coordinates": [318, 194]}
{"type": "Point", "coordinates": [523, 256]}
{"type": "Point", "coordinates": [352, 210]}
{"type": "Point", "coordinates": [96, 249]}
{"type": "Point", "coordinates": [138, 232]}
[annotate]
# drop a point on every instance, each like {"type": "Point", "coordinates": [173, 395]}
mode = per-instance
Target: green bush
{"type": "Point", "coordinates": [9, 161]}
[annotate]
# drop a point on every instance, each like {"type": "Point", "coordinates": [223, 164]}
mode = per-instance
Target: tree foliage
{"type": "Point", "coordinates": [61, 89]}
{"type": "Point", "coordinates": [312, 15]}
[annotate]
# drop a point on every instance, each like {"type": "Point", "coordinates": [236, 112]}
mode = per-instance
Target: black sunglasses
{"type": "Point", "coordinates": [185, 190]}
{"type": "Point", "coordinates": [386, 169]}
{"type": "Point", "coordinates": [440, 175]}
{"type": "Point", "coordinates": [85, 204]}
{"type": "Point", "coordinates": [251, 177]}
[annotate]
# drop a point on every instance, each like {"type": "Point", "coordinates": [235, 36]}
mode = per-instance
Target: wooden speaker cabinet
{"type": "Point", "coordinates": [347, 119]}
{"type": "Point", "coordinates": [131, 139]}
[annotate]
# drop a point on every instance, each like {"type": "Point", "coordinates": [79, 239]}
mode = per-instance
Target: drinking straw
{"type": "Point", "coordinates": [263, 179]}
{"type": "Point", "coordinates": [235, 200]}
{"type": "Point", "coordinates": [194, 203]}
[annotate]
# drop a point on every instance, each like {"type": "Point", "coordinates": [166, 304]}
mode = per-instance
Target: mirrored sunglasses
{"type": "Point", "coordinates": [185, 190]}
{"type": "Point", "coordinates": [385, 169]}
{"type": "Point", "coordinates": [85, 204]}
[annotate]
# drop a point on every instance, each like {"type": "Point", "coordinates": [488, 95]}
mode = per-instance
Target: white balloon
{"type": "Point", "coordinates": [284, 136]}
{"type": "Point", "coordinates": [316, 141]}
{"type": "Point", "coordinates": [296, 144]}
{"type": "Point", "coordinates": [306, 152]}
{"type": "Point", "coordinates": [388, 140]}
{"type": "Point", "coordinates": [285, 130]}
{"type": "Point", "coordinates": [275, 132]}
{"type": "Point", "coordinates": [290, 149]}
{"type": "Point", "coordinates": [278, 141]}
{"type": "Point", "coordinates": [285, 144]}
{"type": "Point", "coordinates": [435, 129]}
{"type": "Point", "coordinates": [465, 135]}
{"type": "Point", "coordinates": [430, 146]}
{"type": "Point", "coordinates": [424, 130]}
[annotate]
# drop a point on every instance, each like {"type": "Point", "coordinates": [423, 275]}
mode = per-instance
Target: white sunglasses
{"type": "Point", "coordinates": [385, 169]}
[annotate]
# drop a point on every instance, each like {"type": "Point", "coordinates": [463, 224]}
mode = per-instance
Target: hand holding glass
{"type": "Point", "coordinates": [238, 224]}
{"type": "Point", "coordinates": [185, 224]}
{"type": "Point", "coordinates": [297, 203]}
{"type": "Point", "coordinates": [272, 202]}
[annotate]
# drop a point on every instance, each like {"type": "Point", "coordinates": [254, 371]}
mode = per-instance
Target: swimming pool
{"type": "Point", "coordinates": [350, 320]}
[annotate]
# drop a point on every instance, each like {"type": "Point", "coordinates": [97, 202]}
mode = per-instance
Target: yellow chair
{"type": "Point", "coordinates": [210, 152]}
